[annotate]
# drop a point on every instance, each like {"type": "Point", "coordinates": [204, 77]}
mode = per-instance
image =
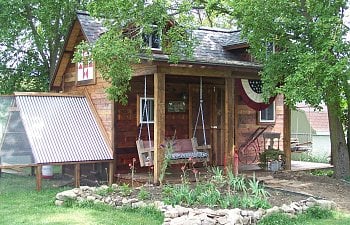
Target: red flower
{"type": "Point", "coordinates": [195, 171]}
{"type": "Point", "coordinates": [190, 159]}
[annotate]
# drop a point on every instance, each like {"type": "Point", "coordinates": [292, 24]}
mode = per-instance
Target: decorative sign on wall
{"type": "Point", "coordinates": [85, 69]}
{"type": "Point", "coordinates": [251, 93]}
{"type": "Point", "coordinates": [176, 106]}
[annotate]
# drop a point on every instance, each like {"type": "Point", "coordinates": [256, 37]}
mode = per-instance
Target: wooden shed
{"type": "Point", "coordinates": [221, 71]}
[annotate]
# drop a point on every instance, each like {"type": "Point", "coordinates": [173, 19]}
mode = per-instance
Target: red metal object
{"type": "Point", "coordinates": [235, 163]}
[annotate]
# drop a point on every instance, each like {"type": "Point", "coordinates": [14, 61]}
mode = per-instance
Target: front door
{"type": "Point", "coordinates": [209, 116]}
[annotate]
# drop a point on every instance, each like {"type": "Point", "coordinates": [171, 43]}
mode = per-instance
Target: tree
{"type": "Point", "coordinates": [31, 36]}
{"type": "Point", "coordinates": [311, 61]}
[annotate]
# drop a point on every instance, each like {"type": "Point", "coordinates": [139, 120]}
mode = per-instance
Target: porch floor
{"type": "Point", "coordinates": [174, 173]}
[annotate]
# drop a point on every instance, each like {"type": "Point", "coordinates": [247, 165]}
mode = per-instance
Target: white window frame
{"type": "Point", "coordinates": [261, 120]}
{"type": "Point", "coordinates": [150, 112]}
{"type": "Point", "coordinates": [149, 36]}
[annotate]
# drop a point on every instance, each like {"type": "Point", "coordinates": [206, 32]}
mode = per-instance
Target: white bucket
{"type": "Point", "coordinates": [47, 172]}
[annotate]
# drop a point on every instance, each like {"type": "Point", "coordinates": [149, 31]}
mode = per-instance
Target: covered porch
{"type": "Point", "coordinates": [176, 90]}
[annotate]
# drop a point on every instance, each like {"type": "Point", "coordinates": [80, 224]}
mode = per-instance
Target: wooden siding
{"type": "Point", "coordinates": [246, 123]}
{"type": "Point", "coordinates": [95, 91]}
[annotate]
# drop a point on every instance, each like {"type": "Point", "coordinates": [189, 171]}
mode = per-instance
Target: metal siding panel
{"type": "Point", "coordinates": [62, 129]}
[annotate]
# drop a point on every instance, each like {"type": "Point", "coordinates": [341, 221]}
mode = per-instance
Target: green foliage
{"type": "Point", "coordinates": [31, 37]}
{"type": "Point", "coordinates": [125, 189]}
{"type": "Point", "coordinates": [277, 219]}
{"type": "Point", "coordinates": [270, 155]}
{"type": "Point", "coordinates": [104, 191]}
{"type": "Point", "coordinates": [218, 191]}
{"type": "Point", "coordinates": [22, 204]}
{"type": "Point", "coordinates": [144, 194]}
{"type": "Point", "coordinates": [313, 215]}
{"type": "Point", "coordinates": [122, 46]}
{"type": "Point", "coordinates": [310, 158]}
{"type": "Point", "coordinates": [168, 148]}
{"type": "Point", "coordinates": [311, 58]}
{"type": "Point", "coordinates": [318, 213]}
{"type": "Point", "coordinates": [328, 172]}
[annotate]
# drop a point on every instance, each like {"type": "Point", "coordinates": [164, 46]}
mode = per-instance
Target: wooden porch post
{"type": "Point", "coordinates": [38, 177]}
{"type": "Point", "coordinates": [229, 122]}
{"type": "Point", "coordinates": [287, 135]}
{"type": "Point", "coordinates": [159, 123]}
{"type": "Point", "coordinates": [110, 173]}
{"type": "Point", "coordinates": [77, 175]}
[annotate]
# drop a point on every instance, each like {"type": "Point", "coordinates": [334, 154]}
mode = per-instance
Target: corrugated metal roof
{"type": "Point", "coordinates": [62, 129]}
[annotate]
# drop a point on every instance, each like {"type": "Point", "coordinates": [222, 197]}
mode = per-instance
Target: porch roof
{"type": "Point", "coordinates": [210, 49]}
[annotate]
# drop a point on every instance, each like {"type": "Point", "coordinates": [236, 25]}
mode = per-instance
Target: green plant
{"type": "Point", "coordinates": [168, 147]}
{"type": "Point", "coordinates": [104, 191]}
{"type": "Point", "coordinates": [328, 172]}
{"type": "Point", "coordinates": [218, 177]}
{"type": "Point", "coordinates": [318, 213]}
{"type": "Point", "coordinates": [270, 155]}
{"type": "Point", "coordinates": [125, 190]}
{"type": "Point", "coordinates": [306, 157]}
{"type": "Point", "coordinates": [277, 219]}
{"type": "Point", "coordinates": [256, 189]}
{"type": "Point", "coordinates": [144, 194]}
{"type": "Point", "coordinates": [236, 183]}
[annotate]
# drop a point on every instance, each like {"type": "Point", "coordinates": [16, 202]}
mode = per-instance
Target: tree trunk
{"type": "Point", "coordinates": [339, 148]}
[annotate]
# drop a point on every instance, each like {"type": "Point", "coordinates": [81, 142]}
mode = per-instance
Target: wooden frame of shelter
{"type": "Point", "coordinates": [231, 120]}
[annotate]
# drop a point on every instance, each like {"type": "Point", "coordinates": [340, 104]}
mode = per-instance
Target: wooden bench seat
{"type": "Point", "coordinates": [183, 150]}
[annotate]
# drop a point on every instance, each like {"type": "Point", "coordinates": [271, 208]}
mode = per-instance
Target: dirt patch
{"type": "Point", "coordinates": [286, 187]}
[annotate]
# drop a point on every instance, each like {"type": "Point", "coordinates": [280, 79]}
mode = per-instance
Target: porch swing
{"type": "Point", "coordinates": [145, 153]}
{"type": "Point", "coordinates": [205, 147]}
{"type": "Point", "coordinates": [184, 149]}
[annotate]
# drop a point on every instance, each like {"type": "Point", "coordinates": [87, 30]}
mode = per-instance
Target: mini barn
{"type": "Point", "coordinates": [214, 98]}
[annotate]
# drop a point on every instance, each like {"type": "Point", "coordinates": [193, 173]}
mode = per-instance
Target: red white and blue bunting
{"type": "Point", "coordinates": [251, 93]}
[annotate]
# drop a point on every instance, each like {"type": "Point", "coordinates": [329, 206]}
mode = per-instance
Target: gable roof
{"type": "Point", "coordinates": [61, 129]}
{"type": "Point", "coordinates": [210, 48]}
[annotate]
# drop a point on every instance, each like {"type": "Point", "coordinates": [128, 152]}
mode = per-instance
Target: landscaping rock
{"type": "Point", "coordinates": [177, 215]}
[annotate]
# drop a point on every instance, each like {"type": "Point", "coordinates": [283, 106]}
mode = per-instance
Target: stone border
{"type": "Point", "coordinates": [176, 215]}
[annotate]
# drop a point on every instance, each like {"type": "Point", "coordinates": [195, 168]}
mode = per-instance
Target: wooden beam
{"type": "Point", "coordinates": [229, 121]}
{"type": "Point", "coordinates": [159, 123]}
{"type": "Point", "coordinates": [287, 135]}
{"type": "Point", "coordinates": [38, 177]}
{"type": "Point", "coordinates": [77, 175]}
{"type": "Point", "coordinates": [144, 69]}
{"type": "Point", "coordinates": [111, 173]}
{"type": "Point", "coordinates": [203, 71]}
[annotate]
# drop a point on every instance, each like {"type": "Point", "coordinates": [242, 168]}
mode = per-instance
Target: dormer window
{"type": "Point", "coordinates": [153, 40]}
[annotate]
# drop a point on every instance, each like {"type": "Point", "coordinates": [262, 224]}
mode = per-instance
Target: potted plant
{"type": "Point", "coordinates": [272, 159]}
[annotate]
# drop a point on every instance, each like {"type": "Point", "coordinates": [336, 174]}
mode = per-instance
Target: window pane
{"type": "Point", "coordinates": [268, 114]}
{"type": "Point", "coordinates": [148, 111]}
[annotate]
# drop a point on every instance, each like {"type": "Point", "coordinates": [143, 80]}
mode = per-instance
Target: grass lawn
{"type": "Point", "coordinates": [314, 216]}
{"type": "Point", "coordinates": [20, 203]}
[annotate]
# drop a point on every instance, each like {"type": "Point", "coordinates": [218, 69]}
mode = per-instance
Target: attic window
{"type": "Point", "coordinates": [153, 40]}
